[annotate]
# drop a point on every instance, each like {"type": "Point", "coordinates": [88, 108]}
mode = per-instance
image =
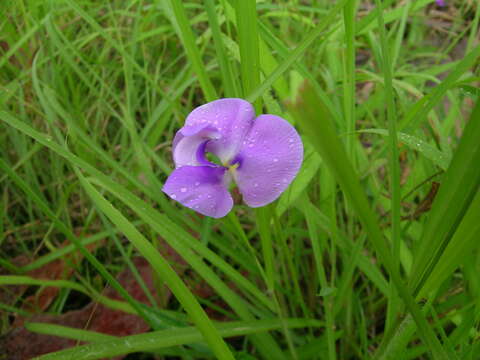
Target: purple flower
{"type": "Point", "coordinates": [262, 155]}
{"type": "Point", "coordinates": [440, 2]}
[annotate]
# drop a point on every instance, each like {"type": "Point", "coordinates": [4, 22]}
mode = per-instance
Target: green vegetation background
{"type": "Point", "coordinates": [371, 253]}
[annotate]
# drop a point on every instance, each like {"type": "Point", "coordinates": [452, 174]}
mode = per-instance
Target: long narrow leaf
{"type": "Point", "coordinates": [316, 122]}
{"type": "Point", "coordinates": [161, 339]}
{"type": "Point", "coordinates": [163, 269]}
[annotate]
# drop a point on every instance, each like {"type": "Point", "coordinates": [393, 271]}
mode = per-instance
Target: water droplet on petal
{"type": "Point", "coordinates": [255, 185]}
{"type": "Point", "coordinates": [183, 189]}
{"type": "Point", "coordinates": [275, 160]}
{"type": "Point", "coordinates": [197, 183]}
{"type": "Point", "coordinates": [173, 196]}
{"type": "Point", "coordinates": [290, 140]}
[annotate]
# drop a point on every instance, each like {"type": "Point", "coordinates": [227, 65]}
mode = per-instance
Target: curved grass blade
{"type": "Point", "coordinates": [439, 250]}
{"type": "Point", "coordinates": [297, 52]}
{"type": "Point", "coordinates": [439, 158]}
{"type": "Point", "coordinates": [22, 184]}
{"type": "Point", "coordinates": [225, 66]}
{"type": "Point", "coordinates": [457, 190]}
{"type": "Point", "coordinates": [66, 284]}
{"type": "Point", "coordinates": [419, 112]}
{"type": "Point", "coordinates": [163, 269]}
{"type": "Point", "coordinates": [159, 339]}
{"type": "Point", "coordinates": [187, 37]}
{"type": "Point", "coordinates": [313, 116]}
{"type": "Point", "coordinates": [178, 238]}
{"type": "Point", "coordinates": [462, 243]}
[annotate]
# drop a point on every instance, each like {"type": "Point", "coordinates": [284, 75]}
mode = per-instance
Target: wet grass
{"type": "Point", "coordinates": [371, 253]}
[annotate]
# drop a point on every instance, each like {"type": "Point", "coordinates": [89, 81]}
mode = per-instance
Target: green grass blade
{"type": "Point", "coordinates": [463, 243]}
{"type": "Point", "coordinates": [316, 121]}
{"type": "Point", "coordinates": [457, 190]}
{"type": "Point", "coordinates": [178, 238]}
{"type": "Point", "coordinates": [61, 252]}
{"type": "Point", "coordinates": [284, 52]}
{"type": "Point", "coordinates": [393, 158]}
{"type": "Point", "coordinates": [297, 52]}
{"type": "Point", "coordinates": [66, 284]}
{"type": "Point", "coordinates": [68, 333]}
{"type": "Point", "coordinates": [346, 245]}
{"type": "Point", "coordinates": [106, 35]}
{"type": "Point", "coordinates": [163, 269]}
{"type": "Point", "coordinates": [263, 219]}
{"type": "Point", "coordinates": [349, 75]}
{"type": "Point", "coordinates": [71, 236]}
{"type": "Point", "coordinates": [225, 66]}
{"type": "Point", "coordinates": [31, 32]}
{"type": "Point", "coordinates": [182, 25]}
{"type": "Point", "coordinates": [155, 340]}
{"type": "Point", "coordinates": [439, 158]}
{"type": "Point", "coordinates": [419, 112]}
{"type": "Point", "coordinates": [246, 15]}
{"type": "Point", "coordinates": [319, 263]}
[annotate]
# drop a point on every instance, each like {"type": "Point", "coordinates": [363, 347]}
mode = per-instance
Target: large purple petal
{"type": "Point", "coordinates": [231, 117]}
{"type": "Point", "coordinates": [269, 160]}
{"type": "Point", "coordinates": [201, 188]}
{"type": "Point", "coordinates": [190, 142]}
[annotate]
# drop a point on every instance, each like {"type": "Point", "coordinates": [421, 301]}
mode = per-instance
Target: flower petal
{"type": "Point", "coordinates": [269, 160]}
{"type": "Point", "coordinates": [231, 117]}
{"type": "Point", "coordinates": [201, 188]}
{"type": "Point", "coordinates": [190, 142]}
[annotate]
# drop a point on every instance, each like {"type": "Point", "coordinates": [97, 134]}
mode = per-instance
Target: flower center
{"type": "Point", "coordinates": [232, 167]}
